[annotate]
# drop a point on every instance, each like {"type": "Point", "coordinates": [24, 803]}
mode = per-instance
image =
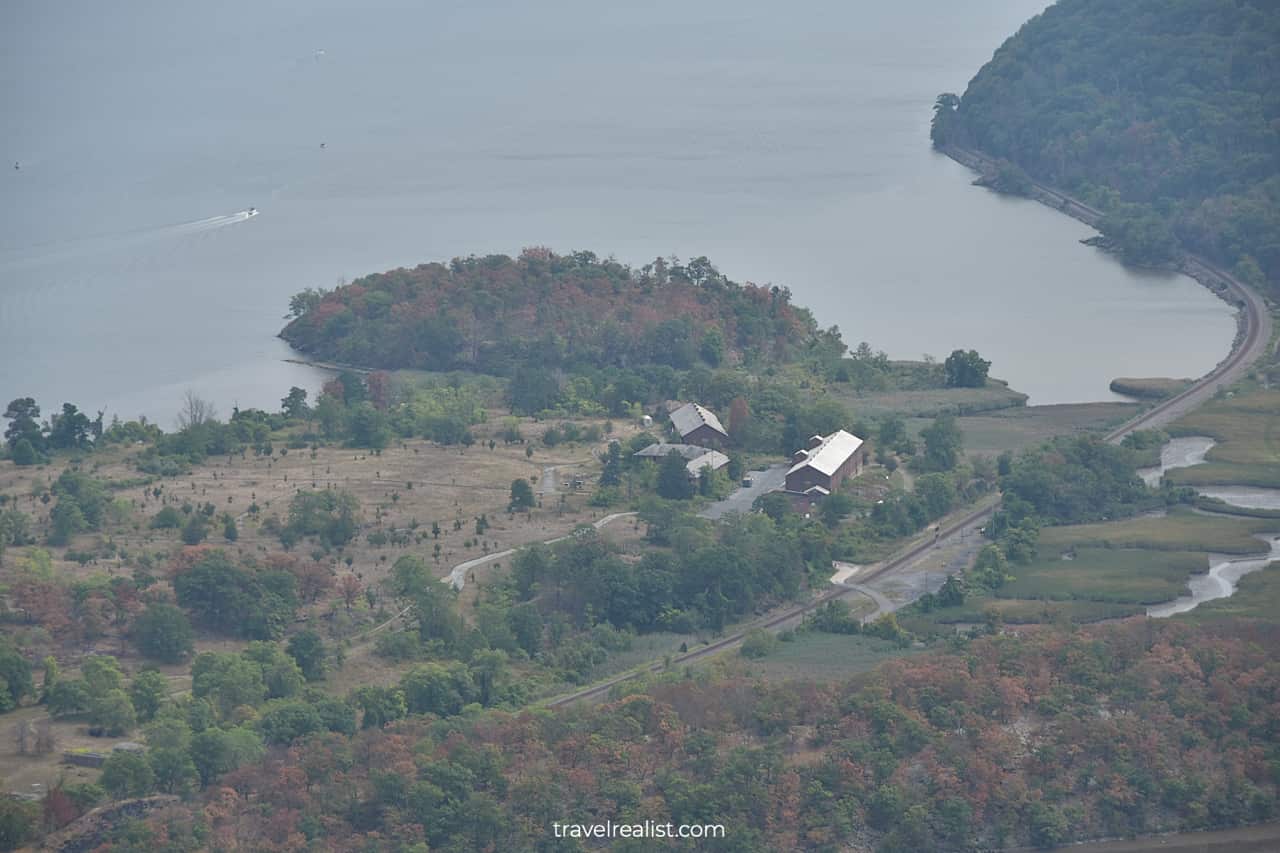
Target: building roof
{"type": "Point", "coordinates": [830, 454]}
{"type": "Point", "coordinates": [699, 457]}
{"type": "Point", "coordinates": [663, 449]}
{"type": "Point", "coordinates": [690, 416]}
{"type": "Point", "coordinates": [713, 459]}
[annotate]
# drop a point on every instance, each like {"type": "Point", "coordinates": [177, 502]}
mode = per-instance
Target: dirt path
{"type": "Point", "coordinates": [1252, 342]}
{"type": "Point", "coordinates": [458, 574]}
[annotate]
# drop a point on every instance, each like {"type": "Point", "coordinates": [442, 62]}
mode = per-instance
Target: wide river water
{"type": "Point", "coordinates": [788, 142]}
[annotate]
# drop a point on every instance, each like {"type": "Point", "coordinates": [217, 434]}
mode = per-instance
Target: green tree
{"type": "Point", "coordinates": [101, 673]}
{"type": "Point", "coordinates": [168, 518]}
{"type": "Point", "coordinates": [68, 520]}
{"type": "Point", "coordinates": [965, 369]}
{"type": "Point", "coordinates": [285, 722]}
{"type": "Point", "coordinates": [758, 643]}
{"type": "Point", "coordinates": [991, 569]}
{"type": "Point", "coordinates": [19, 821]}
{"type": "Point", "coordinates": [533, 389]}
{"type": "Point", "coordinates": [380, 705]}
{"type": "Point", "coordinates": [15, 670]}
{"type": "Point", "coordinates": [308, 651]}
{"type": "Point", "coordinates": [892, 431]}
{"type": "Point", "coordinates": [368, 427]}
{"type": "Point", "coordinates": [294, 405]}
{"type": "Point", "coordinates": [228, 681]}
{"type": "Point", "coordinates": [148, 693]}
{"type": "Point", "coordinates": [938, 492]}
{"type": "Point", "coordinates": [521, 496]}
{"type": "Point", "coordinates": [163, 632]}
{"type": "Point", "coordinates": [67, 697]}
{"type": "Point", "coordinates": [174, 771]}
{"type": "Point", "coordinates": [952, 592]}
{"type": "Point", "coordinates": [230, 599]}
{"type": "Point", "coordinates": [280, 674]}
{"type": "Point", "coordinates": [113, 711]}
{"type": "Point", "coordinates": [434, 688]}
{"type": "Point", "coordinates": [943, 443]}
{"type": "Point", "coordinates": [126, 774]}
{"type": "Point", "coordinates": [216, 751]}
{"type": "Point", "coordinates": [611, 473]}
{"type": "Point", "coordinates": [195, 530]}
{"type": "Point", "coordinates": [711, 349]}
{"type": "Point", "coordinates": [673, 478]}
{"type": "Point", "coordinates": [488, 672]}
{"type": "Point", "coordinates": [25, 453]}
{"type": "Point", "coordinates": [70, 429]}
{"type": "Point", "coordinates": [834, 508]}
{"type": "Point", "coordinates": [24, 423]}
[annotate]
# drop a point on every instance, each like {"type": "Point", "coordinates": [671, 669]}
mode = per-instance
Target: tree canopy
{"type": "Point", "coordinates": [497, 314]}
{"type": "Point", "coordinates": [1165, 115]}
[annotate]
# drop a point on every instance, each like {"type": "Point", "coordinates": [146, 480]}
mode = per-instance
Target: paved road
{"type": "Point", "coordinates": [547, 482]}
{"type": "Point", "coordinates": [458, 574]}
{"type": "Point", "coordinates": [1250, 345]}
{"type": "Point", "coordinates": [762, 482]}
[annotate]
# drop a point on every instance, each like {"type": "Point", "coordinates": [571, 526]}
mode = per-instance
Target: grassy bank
{"type": "Point", "coordinates": [929, 402]}
{"type": "Point", "coordinates": [1118, 576]}
{"type": "Point", "coordinates": [1247, 429]}
{"type": "Point", "coordinates": [1257, 596]}
{"type": "Point", "coordinates": [1015, 429]}
{"type": "Point", "coordinates": [1181, 529]}
{"type": "Point", "coordinates": [1148, 388]}
{"type": "Point", "coordinates": [1110, 570]}
{"type": "Point", "coordinates": [1217, 505]}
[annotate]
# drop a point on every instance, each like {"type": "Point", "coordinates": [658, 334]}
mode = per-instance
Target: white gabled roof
{"type": "Point", "coordinates": [828, 456]}
{"type": "Point", "coordinates": [713, 459]}
{"type": "Point", "coordinates": [661, 449]}
{"type": "Point", "coordinates": [690, 416]}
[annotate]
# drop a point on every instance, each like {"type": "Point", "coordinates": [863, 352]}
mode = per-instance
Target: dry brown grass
{"type": "Point", "coordinates": [448, 484]}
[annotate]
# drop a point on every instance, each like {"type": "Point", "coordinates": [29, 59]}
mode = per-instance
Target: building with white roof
{"type": "Point", "coordinates": [819, 469]}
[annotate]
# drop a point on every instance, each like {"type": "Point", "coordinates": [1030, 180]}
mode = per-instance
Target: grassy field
{"type": "Point", "coordinates": [1257, 596]}
{"type": "Point", "coordinates": [1120, 576]}
{"type": "Point", "coordinates": [406, 488]}
{"type": "Point", "coordinates": [933, 401]}
{"type": "Point", "coordinates": [1014, 611]}
{"type": "Point", "coordinates": [824, 656]}
{"type": "Point", "coordinates": [1181, 530]}
{"type": "Point", "coordinates": [1247, 429]}
{"type": "Point", "coordinates": [993, 433]}
{"type": "Point", "coordinates": [1090, 572]}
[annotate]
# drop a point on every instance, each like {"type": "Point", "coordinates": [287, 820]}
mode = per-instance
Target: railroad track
{"type": "Point", "coordinates": [1247, 348]}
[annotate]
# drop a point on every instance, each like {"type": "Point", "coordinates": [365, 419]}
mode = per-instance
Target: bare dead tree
{"type": "Point", "coordinates": [22, 736]}
{"type": "Point", "coordinates": [46, 740]}
{"type": "Point", "coordinates": [195, 410]}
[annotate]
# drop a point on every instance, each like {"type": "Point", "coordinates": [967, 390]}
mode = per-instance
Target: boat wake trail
{"type": "Point", "coordinates": [128, 241]}
{"type": "Point", "coordinates": [213, 222]}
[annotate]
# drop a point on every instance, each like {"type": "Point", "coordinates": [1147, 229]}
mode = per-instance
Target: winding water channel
{"type": "Point", "coordinates": [1224, 572]}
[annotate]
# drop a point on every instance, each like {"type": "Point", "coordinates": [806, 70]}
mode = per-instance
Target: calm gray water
{"type": "Point", "coordinates": [787, 142]}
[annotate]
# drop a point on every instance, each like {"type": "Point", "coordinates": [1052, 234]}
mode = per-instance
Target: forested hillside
{"type": "Point", "coordinates": [544, 310]}
{"type": "Point", "coordinates": [1003, 741]}
{"type": "Point", "coordinates": [1165, 114]}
